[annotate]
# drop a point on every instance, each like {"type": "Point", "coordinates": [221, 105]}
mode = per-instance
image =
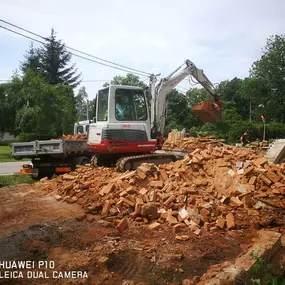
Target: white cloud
{"type": "Point", "coordinates": [221, 37]}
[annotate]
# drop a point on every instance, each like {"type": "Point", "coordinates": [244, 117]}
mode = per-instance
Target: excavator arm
{"type": "Point", "coordinates": [162, 89]}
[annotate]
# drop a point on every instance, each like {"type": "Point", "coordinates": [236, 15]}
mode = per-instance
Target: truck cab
{"type": "Point", "coordinates": [81, 127]}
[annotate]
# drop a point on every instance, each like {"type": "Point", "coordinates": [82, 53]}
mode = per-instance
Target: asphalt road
{"type": "Point", "coordinates": [11, 167]}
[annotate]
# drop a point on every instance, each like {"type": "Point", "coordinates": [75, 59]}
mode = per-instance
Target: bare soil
{"type": "Point", "coordinates": [37, 227]}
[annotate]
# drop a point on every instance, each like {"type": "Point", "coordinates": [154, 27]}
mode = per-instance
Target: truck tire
{"type": "Point", "coordinates": [45, 173]}
{"type": "Point", "coordinates": [80, 160]}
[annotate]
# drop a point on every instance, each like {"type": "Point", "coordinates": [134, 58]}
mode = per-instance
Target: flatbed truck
{"type": "Point", "coordinates": [55, 156]}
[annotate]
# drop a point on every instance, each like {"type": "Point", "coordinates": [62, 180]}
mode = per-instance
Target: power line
{"type": "Point", "coordinates": [76, 50]}
{"type": "Point", "coordinates": [97, 80]}
{"type": "Point", "coordinates": [83, 81]}
{"type": "Point", "coordinates": [74, 54]}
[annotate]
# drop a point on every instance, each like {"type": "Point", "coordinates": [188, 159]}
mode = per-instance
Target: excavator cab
{"type": "Point", "coordinates": [209, 111]}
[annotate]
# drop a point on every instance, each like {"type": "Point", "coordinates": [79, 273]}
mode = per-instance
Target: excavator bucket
{"type": "Point", "coordinates": [208, 111]}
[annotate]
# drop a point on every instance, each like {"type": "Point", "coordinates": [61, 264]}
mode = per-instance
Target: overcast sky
{"type": "Point", "coordinates": [222, 37]}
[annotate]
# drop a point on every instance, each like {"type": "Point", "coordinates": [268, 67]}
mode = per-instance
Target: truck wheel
{"type": "Point", "coordinates": [43, 174]}
{"type": "Point", "coordinates": [81, 160]}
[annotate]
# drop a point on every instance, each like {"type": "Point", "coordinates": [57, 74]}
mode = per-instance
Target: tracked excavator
{"type": "Point", "coordinates": [129, 121]}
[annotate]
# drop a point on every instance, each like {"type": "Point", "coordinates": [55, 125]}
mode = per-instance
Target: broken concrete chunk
{"type": "Point", "coordinates": [239, 164]}
{"type": "Point", "coordinates": [259, 205]}
{"type": "Point", "coordinates": [240, 171]}
{"type": "Point", "coordinates": [231, 173]}
{"type": "Point", "coordinates": [230, 221]}
{"type": "Point", "coordinates": [241, 188]}
{"type": "Point", "coordinates": [236, 201]}
{"type": "Point", "coordinates": [183, 214]}
{"type": "Point", "coordinates": [171, 220]}
{"type": "Point", "coordinates": [154, 225]}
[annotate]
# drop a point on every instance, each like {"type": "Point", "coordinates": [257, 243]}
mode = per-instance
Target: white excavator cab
{"type": "Point", "coordinates": [122, 122]}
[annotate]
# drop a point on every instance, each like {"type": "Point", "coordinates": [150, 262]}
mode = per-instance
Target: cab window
{"type": "Point", "coordinates": [80, 130]}
{"type": "Point", "coordinates": [102, 111]}
{"type": "Point", "coordinates": [130, 105]}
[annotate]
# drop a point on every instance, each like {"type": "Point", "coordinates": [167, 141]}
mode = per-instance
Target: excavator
{"type": "Point", "coordinates": [129, 122]}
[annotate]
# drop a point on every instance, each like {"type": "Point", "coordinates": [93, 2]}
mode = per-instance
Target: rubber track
{"type": "Point", "coordinates": [120, 165]}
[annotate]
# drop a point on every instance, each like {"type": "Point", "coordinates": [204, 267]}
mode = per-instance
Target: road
{"type": "Point", "coordinates": [11, 167]}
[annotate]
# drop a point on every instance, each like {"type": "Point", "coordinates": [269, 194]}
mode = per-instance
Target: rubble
{"type": "Point", "coordinates": [75, 137]}
{"type": "Point", "coordinates": [190, 144]}
{"type": "Point", "coordinates": [205, 191]}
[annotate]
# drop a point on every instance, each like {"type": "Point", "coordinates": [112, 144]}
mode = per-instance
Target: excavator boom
{"type": "Point", "coordinates": [209, 111]}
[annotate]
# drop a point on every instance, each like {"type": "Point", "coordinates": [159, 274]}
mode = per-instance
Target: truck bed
{"type": "Point", "coordinates": [48, 147]}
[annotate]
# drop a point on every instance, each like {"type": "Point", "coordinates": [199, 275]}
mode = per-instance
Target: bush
{"type": "Point", "coordinates": [232, 131]}
{"type": "Point", "coordinates": [6, 143]}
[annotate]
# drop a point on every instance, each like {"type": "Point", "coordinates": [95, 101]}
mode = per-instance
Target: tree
{"type": "Point", "coordinates": [5, 115]}
{"type": "Point", "coordinates": [32, 60]}
{"type": "Point", "coordinates": [270, 70]}
{"type": "Point", "coordinates": [196, 95]}
{"type": "Point", "coordinates": [255, 91]}
{"type": "Point", "coordinates": [130, 79]}
{"type": "Point", "coordinates": [39, 110]}
{"type": "Point", "coordinates": [54, 63]}
{"type": "Point", "coordinates": [230, 91]}
{"type": "Point", "coordinates": [81, 104]}
{"type": "Point", "coordinates": [179, 113]}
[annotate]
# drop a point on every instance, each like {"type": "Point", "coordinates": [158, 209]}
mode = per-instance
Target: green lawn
{"type": "Point", "coordinates": [5, 154]}
{"type": "Point", "coordinates": [6, 180]}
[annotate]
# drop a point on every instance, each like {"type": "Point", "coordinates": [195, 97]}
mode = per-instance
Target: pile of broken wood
{"type": "Point", "coordinates": [211, 188]}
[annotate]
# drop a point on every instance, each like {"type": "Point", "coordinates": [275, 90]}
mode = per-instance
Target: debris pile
{"type": "Point", "coordinates": [259, 147]}
{"type": "Point", "coordinates": [75, 137]}
{"type": "Point", "coordinates": [212, 188]}
{"type": "Point", "coordinates": [190, 144]}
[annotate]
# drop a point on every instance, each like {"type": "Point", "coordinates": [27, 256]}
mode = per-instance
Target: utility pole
{"type": "Point", "coordinates": [87, 106]}
{"type": "Point", "coordinates": [263, 120]}
{"type": "Point", "coordinates": [249, 110]}
{"type": "Point", "coordinates": [264, 130]}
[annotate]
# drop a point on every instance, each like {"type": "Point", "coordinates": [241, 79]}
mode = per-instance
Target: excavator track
{"type": "Point", "coordinates": [132, 162]}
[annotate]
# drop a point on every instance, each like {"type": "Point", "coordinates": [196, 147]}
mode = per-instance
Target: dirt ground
{"type": "Point", "coordinates": [37, 227]}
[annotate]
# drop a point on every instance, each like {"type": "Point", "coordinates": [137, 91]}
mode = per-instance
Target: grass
{"type": "Point", "coordinates": [262, 272]}
{"type": "Point", "coordinates": [6, 180]}
{"type": "Point", "coordinates": [5, 154]}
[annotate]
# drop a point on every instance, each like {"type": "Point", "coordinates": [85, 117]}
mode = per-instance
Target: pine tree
{"type": "Point", "coordinates": [81, 104]}
{"type": "Point", "coordinates": [54, 63]}
{"type": "Point", "coordinates": [32, 60]}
